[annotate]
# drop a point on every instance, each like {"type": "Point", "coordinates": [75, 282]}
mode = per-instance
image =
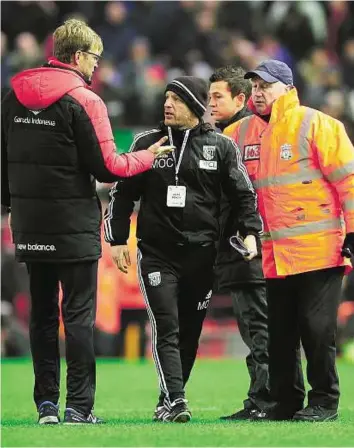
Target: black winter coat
{"type": "Point", "coordinates": [211, 165]}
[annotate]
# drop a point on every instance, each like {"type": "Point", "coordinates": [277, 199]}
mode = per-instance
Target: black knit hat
{"type": "Point", "coordinates": [193, 91]}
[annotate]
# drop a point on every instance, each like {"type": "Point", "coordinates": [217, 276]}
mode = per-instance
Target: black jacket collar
{"type": "Point", "coordinates": [202, 128]}
{"type": "Point", "coordinates": [240, 114]}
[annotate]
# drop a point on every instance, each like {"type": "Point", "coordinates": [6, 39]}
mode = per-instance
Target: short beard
{"type": "Point", "coordinates": [189, 125]}
{"type": "Point", "coordinates": [178, 127]}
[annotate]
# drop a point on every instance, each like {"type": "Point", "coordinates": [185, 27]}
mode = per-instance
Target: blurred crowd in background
{"type": "Point", "coordinates": [146, 44]}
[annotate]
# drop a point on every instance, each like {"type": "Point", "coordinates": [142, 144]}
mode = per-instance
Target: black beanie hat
{"type": "Point", "coordinates": [193, 91]}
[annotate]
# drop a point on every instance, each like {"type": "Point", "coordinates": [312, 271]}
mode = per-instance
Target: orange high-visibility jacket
{"type": "Point", "coordinates": [303, 172]}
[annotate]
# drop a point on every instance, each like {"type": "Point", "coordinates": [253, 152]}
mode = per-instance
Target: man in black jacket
{"type": "Point", "coordinates": [228, 94]}
{"type": "Point", "coordinates": [57, 140]}
{"type": "Point", "coordinates": [177, 231]}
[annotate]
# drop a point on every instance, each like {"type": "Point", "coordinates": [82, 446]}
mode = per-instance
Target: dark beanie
{"type": "Point", "coordinates": [193, 91]}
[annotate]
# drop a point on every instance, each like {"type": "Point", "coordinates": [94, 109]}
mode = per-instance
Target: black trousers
{"type": "Point", "coordinates": [176, 283]}
{"type": "Point", "coordinates": [250, 307]}
{"type": "Point", "coordinates": [303, 307]}
{"type": "Point", "coordinates": [79, 285]}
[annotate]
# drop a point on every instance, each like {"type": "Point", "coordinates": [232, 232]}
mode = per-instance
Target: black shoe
{"type": "Point", "coordinates": [74, 417]}
{"type": "Point", "coordinates": [160, 412]}
{"type": "Point", "coordinates": [244, 414]}
{"type": "Point", "coordinates": [48, 413]}
{"type": "Point", "coordinates": [274, 414]}
{"type": "Point", "coordinates": [178, 412]}
{"type": "Point", "coordinates": [316, 414]}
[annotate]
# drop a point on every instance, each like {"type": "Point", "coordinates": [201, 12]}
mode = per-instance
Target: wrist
{"type": "Point", "coordinates": [118, 243]}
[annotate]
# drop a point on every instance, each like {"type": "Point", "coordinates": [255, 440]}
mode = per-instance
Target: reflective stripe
{"type": "Point", "coordinates": [240, 165]}
{"type": "Point", "coordinates": [303, 229]}
{"type": "Point", "coordinates": [304, 173]}
{"type": "Point", "coordinates": [348, 205]}
{"type": "Point", "coordinates": [302, 139]}
{"type": "Point", "coordinates": [242, 134]}
{"type": "Point", "coordinates": [342, 172]}
{"type": "Point", "coordinates": [288, 179]}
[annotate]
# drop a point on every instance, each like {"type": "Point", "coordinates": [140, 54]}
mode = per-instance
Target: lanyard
{"type": "Point", "coordinates": [183, 147]}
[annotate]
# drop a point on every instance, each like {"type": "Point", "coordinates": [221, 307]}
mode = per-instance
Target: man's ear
{"type": "Point", "coordinates": [76, 58]}
{"type": "Point", "coordinates": [240, 99]}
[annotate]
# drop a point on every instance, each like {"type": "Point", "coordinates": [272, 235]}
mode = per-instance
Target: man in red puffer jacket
{"type": "Point", "coordinates": [57, 141]}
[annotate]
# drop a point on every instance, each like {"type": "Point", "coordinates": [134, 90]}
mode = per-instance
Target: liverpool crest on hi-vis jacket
{"type": "Point", "coordinates": [286, 152]}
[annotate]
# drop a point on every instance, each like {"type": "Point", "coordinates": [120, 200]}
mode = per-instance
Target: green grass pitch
{"type": "Point", "coordinates": [126, 396]}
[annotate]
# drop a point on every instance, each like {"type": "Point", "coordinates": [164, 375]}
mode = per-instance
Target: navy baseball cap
{"type": "Point", "coordinates": [272, 71]}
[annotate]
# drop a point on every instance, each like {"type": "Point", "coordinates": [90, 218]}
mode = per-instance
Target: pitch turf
{"type": "Point", "coordinates": [126, 396]}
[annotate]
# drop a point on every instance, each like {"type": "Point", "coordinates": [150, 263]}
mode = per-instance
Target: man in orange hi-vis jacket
{"type": "Point", "coordinates": [305, 186]}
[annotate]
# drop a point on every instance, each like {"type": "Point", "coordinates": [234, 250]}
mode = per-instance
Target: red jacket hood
{"type": "Point", "coordinates": [38, 88]}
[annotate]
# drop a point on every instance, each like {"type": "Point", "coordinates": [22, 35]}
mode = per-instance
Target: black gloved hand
{"type": "Point", "coordinates": [348, 246]}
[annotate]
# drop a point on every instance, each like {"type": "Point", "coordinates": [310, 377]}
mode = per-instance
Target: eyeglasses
{"type": "Point", "coordinates": [96, 56]}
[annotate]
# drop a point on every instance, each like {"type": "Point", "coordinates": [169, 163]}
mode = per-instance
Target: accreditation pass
{"type": "Point", "coordinates": [176, 196]}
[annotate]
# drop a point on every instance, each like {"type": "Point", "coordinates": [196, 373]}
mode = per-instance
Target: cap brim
{"type": "Point", "coordinates": [264, 75]}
